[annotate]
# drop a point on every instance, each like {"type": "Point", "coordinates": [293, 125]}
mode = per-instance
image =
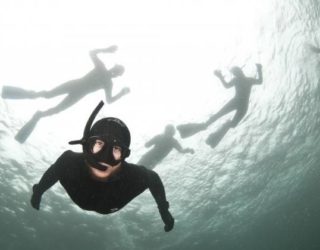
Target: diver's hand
{"type": "Point", "coordinates": [166, 216]}
{"type": "Point", "coordinates": [112, 48]}
{"type": "Point", "coordinates": [167, 219]}
{"type": "Point", "coordinates": [217, 73]}
{"type": "Point", "coordinates": [35, 198]}
{"type": "Point", "coordinates": [125, 91]}
{"type": "Point", "coordinates": [190, 150]}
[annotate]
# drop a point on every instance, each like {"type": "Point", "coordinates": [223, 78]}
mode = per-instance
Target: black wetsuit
{"type": "Point", "coordinates": [102, 197]}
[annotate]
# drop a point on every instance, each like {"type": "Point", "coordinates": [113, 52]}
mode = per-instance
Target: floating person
{"type": "Point", "coordinates": [98, 78]}
{"type": "Point", "coordinates": [99, 179]}
{"type": "Point", "coordinates": [238, 103]}
{"type": "Point", "coordinates": [162, 146]}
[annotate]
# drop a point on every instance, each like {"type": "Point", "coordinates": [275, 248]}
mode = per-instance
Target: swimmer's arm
{"type": "Point", "coordinates": [157, 190]}
{"type": "Point", "coordinates": [223, 81]}
{"type": "Point", "coordinates": [112, 98]}
{"type": "Point", "coordinates": [180, 149]}
{"type": "Point", "coordinates": [49, 178]}
{"type": "Point", "coordinates": [94, 54]}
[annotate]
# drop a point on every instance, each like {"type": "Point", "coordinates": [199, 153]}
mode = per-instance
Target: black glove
{"type": "Point", "coordinates": [35, 198]}
{"type": "Point", "coordinates": [166, 217]}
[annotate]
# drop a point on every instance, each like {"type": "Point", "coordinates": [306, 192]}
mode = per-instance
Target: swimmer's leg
{"type": "Point", "coordinates": [230, 106]}
{"type": "Point", "coordinates": [65, 88]}
{"type": "Point", "coordinates": [28, 128]}
{"type": "Point", "coordinates": [241, 112]}
{"type": "Point", "coordinates": [10, 92]}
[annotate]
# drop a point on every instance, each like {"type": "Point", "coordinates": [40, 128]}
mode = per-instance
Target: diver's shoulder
{"type": "Point", "coordinates": [131, 166]}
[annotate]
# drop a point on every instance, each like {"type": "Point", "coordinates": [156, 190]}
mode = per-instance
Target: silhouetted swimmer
{"type": "Point", "coordinates": [99, 179]}
{"type": "Point", "coordinates": [238, 103]}
{"type": "Point", "coordinates": [162, 146]}
{"type": "Point", "coordinates": [98, 78]}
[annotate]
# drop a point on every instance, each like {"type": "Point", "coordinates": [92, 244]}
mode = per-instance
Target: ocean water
{"type": "Point", "coordinates": [256, 190]}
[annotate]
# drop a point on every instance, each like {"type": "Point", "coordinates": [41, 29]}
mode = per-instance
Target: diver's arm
{"type": "Point", "coordinates": [110, 98]}
{"type": "Point", "coordinates": [157, 190]}
{"type": "Point", "coordinates": [180, 149]}
{"type": "Point", "coordinates": [94, 54]}
{"type": "Point", "coordinates": [218, 74]}
{"type": "Point", "coordinates": [49, 178]}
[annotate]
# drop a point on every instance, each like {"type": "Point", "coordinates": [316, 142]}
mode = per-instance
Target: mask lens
{"type": "Point", "coordinates": [117, 153]}
{"type": "Point", "coordinates": [96, 145]}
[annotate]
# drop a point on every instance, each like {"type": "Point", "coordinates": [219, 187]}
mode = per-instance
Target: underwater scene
{"type": "Point", "coordinates": [218, 142]}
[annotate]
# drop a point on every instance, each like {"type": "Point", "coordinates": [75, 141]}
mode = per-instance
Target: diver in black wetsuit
{"type": "Point", "coordinates": [99, 179]}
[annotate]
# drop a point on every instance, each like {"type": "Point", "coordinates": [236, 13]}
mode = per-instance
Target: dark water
{"type": "Point", "coordinates": [257, 190]}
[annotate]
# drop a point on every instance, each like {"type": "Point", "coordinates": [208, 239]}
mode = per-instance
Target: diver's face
{"type": "Point", "coordinates": [111, 168]}
{"type": "Point", "coordinates": [99, 145]}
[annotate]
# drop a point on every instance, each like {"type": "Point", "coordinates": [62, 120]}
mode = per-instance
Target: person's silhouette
{"type": "Point", "coordinates": [162, 146]}
{"type": "Point", "coordinates": [98, 78]}
{"type": "Point", "coordinates": [239, 102]}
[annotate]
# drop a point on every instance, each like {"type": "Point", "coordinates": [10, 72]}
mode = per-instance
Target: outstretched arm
{"type": "Point", "coordinates": [157, 190]}
{"type": "Point", "coordinates": [108, 93]}
{"type": "Point", "coordinates": [49, 178]}
{"type": "Point", "coordinates": [180, 149]}
{"type": "Point", "coordinates": [220, 76]}
{"type": "Point", "coordinates": [94, 54]}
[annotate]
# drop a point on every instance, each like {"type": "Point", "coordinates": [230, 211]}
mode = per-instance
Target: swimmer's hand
{"type": "Point", "coordinates": [217, 73]}
{"type": "Point", "coordinates": [112, 49]}
{"type": "Point", "coordinates": [168, 220]}
{"type": "Point", "coordinates": [35, 198]}
{"type": "Point", "coordinates": [189, 150]}
{"type": "Point", "coordinates": [166, 217]}
{"type": "Point", "coordinates": [125, 91]}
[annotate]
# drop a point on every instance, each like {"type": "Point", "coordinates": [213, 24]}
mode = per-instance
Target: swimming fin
{"type": "Point", "coordinates": [27, 129]}
{"type": "Point", "coordinates": [189, 129]}
{"type": "Point", "coordinates": [9, 92]}
{"type": "Point", "coordinates": [214, 139]}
